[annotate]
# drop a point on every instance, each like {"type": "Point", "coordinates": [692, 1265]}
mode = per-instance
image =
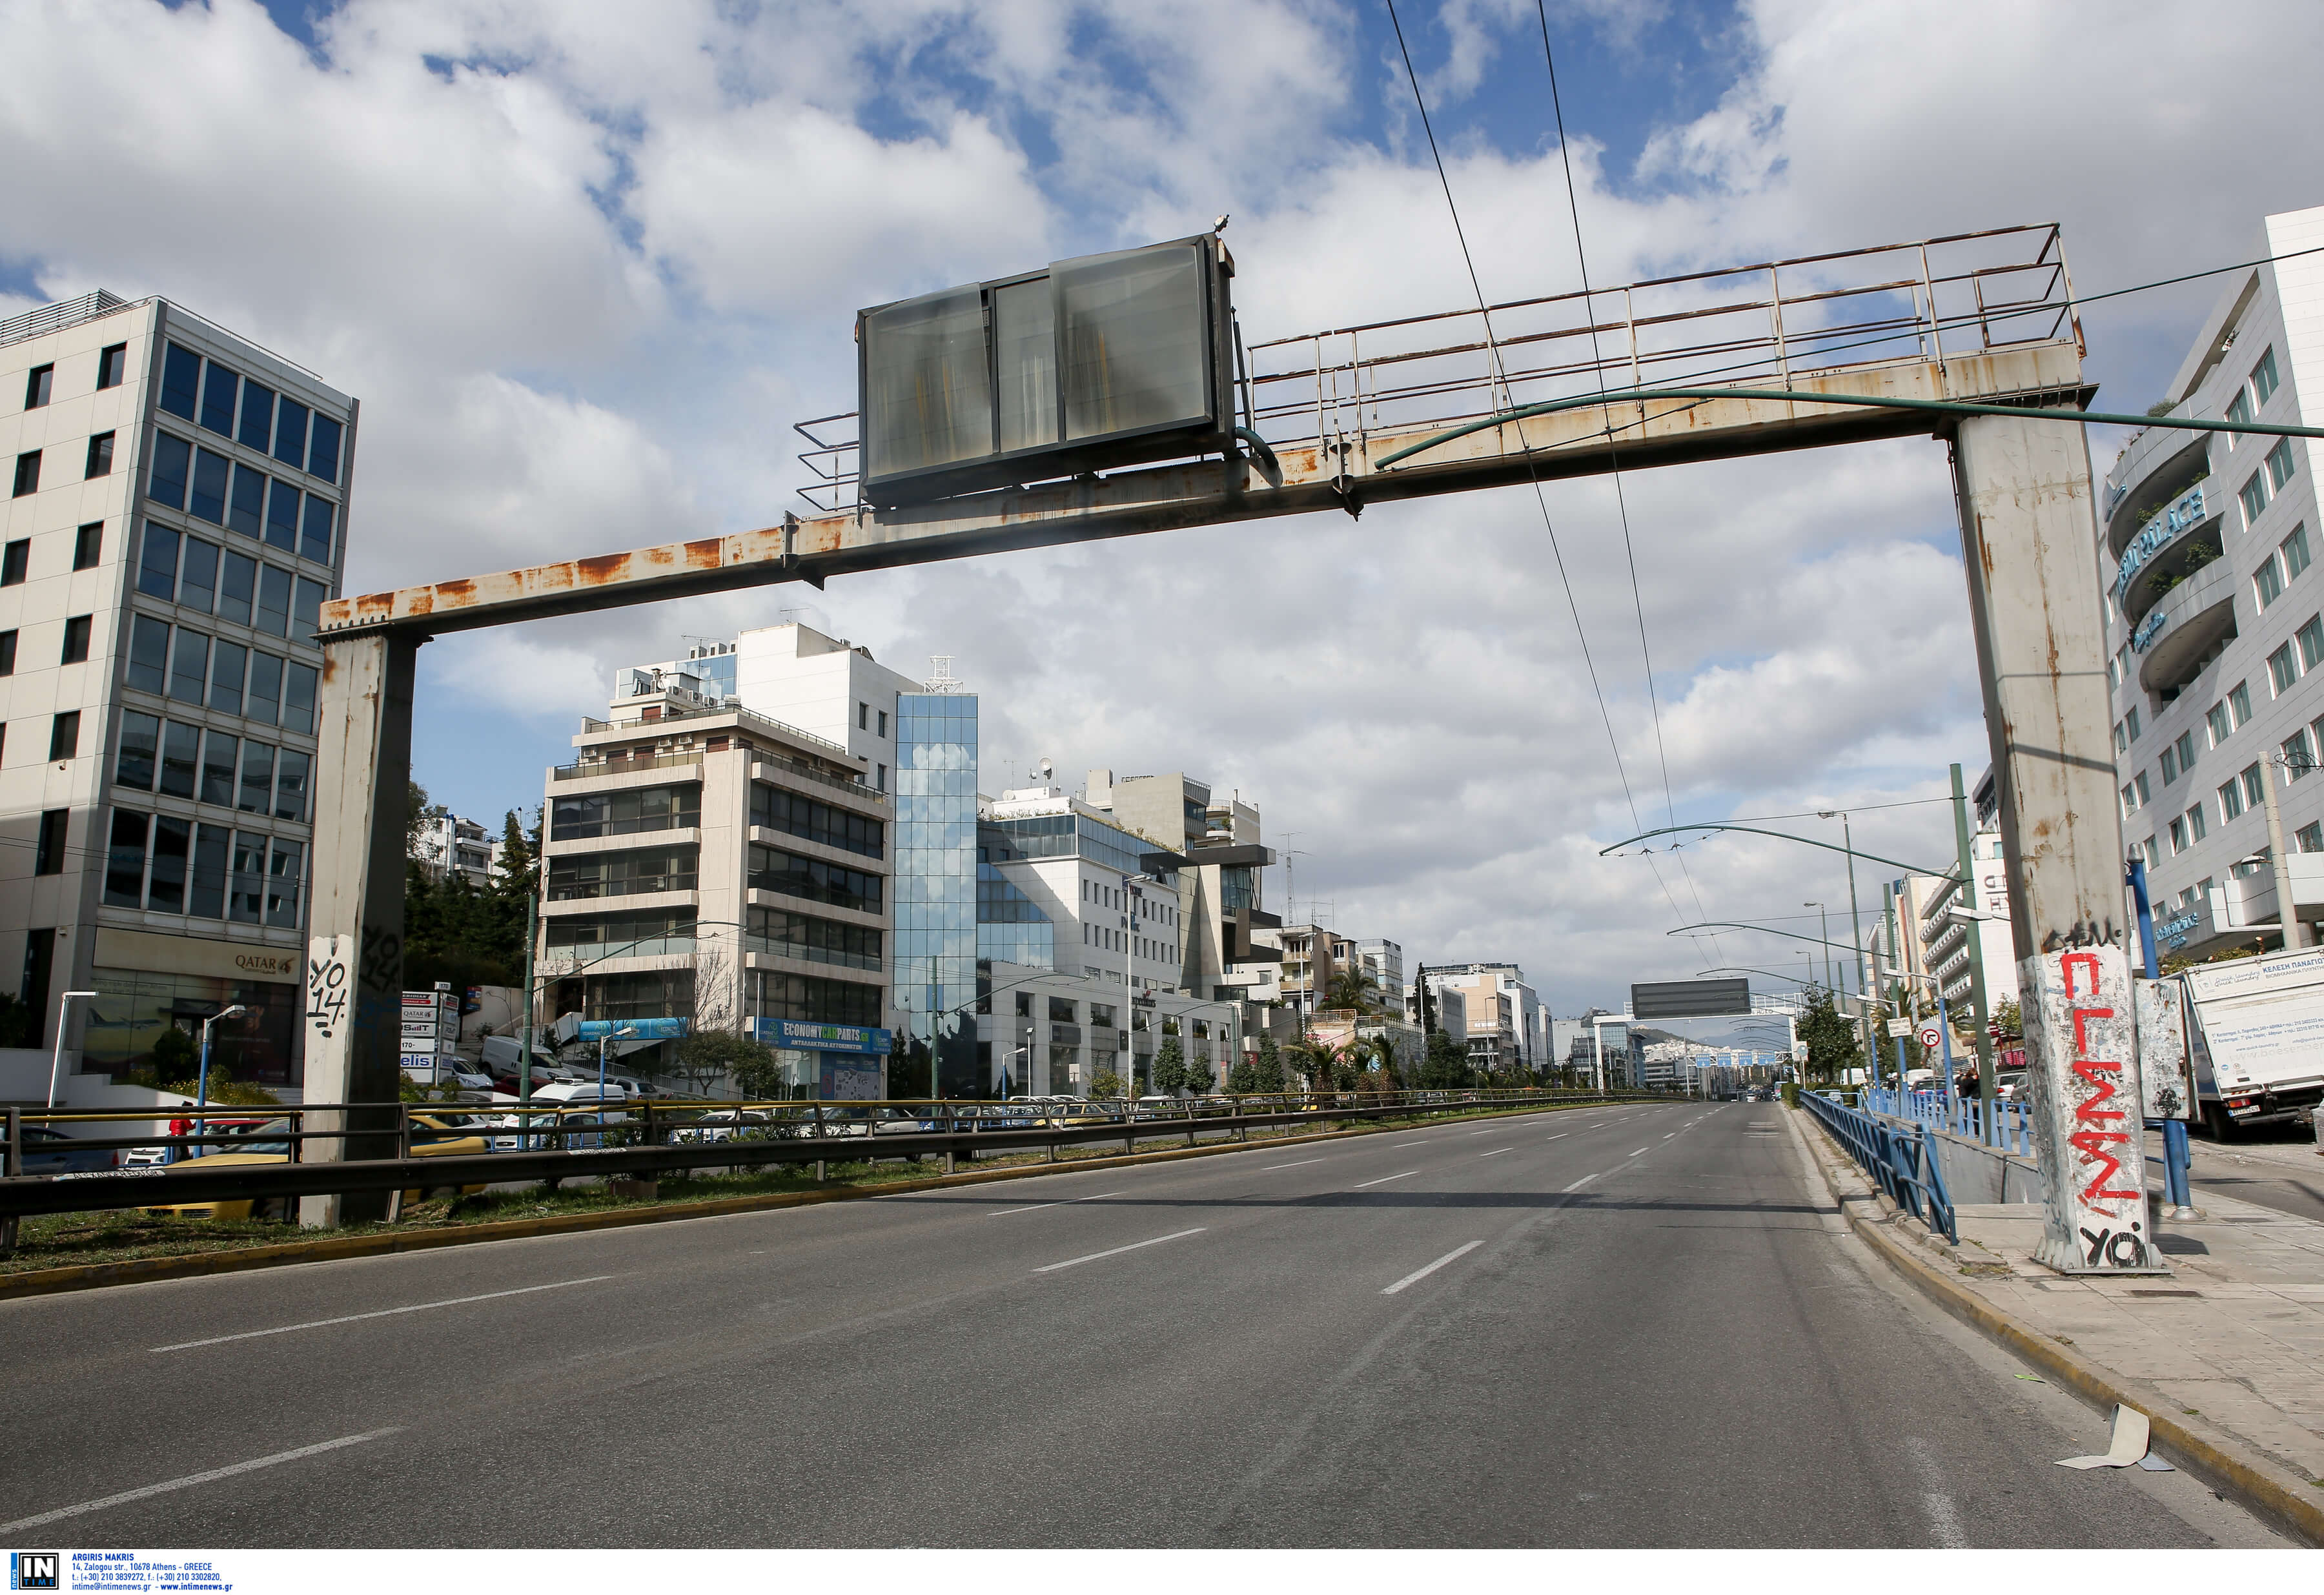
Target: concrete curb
{"type": "Point", "coordinates": [195, 1265]}
{"type": "Point", "coordinates": [2226, 1463]}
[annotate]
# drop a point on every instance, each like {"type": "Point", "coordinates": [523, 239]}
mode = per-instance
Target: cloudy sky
{"type": "Point", "coordinates": [584, 263]}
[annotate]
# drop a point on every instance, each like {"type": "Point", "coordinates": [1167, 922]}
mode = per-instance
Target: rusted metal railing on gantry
{"type": "Point", "coordinates": [1767, 325]}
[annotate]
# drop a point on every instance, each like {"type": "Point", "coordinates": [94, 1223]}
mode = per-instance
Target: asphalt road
{"type": "Point", "coordinates": [1624, 1327]}
{"type": "Point", "coordinates": [2275, 1165]}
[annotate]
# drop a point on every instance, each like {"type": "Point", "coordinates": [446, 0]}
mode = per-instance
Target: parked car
{"type": "Point", "coordinates": [724, 1124]}
{"type": "Point", "coordinates": [172, 1152]}
{"type": "Point", "coordinates": [432, 1135]}
{"type": "Point", "coordinates": [52, 1151]}
{"type": "Point", "coordinates": [2010, 1085]}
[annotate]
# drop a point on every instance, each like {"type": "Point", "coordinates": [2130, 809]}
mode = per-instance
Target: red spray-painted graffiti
{"type": "Point", "coordinates": [2098, 1128]}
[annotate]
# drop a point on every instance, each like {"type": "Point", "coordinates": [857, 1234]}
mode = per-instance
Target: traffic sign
{"type": "Point", "coordinates": [1930, 1036]}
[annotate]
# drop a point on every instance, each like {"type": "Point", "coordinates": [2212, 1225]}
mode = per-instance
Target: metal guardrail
{"type": "Point", "coordinates": [666, 1135]}
{"type": "Point", "coordinates": [1902, 1162]}
{"type": "Point", "coordinates": [2010, 1129]}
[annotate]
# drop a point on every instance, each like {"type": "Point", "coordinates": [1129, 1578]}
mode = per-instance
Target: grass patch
{"type": "Point", "coordinates": [55, 1241]}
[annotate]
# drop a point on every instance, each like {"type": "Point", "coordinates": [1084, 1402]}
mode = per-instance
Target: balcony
{"type": "Point", "coordinates": [2155, 468]}
{"type": "Point", "coordinates": [588, 769]}
{"type": "Point", "coordinates": [2176, 541]}
{"type": "Point", "coordinates": [2183, 637]}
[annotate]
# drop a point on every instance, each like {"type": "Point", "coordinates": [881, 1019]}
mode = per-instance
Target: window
{"type": "Point", "coordinates": [112, 365]}
{"type": "Point", "coordinates": [100, 456]}
{"type": "Point", "coordinates": [282, 516]}
{"type": "Point", "coordinates": [198, 585]}
{"type": "Point", "coordinates": [2310, 836]}
{"type": "Point", "coordinates": [291, 433]}
{"type": "Point", "coordinates": [181, 380]}
{"type": "Point", "coordinates": [206, 499]}
{"type": "Point", "coordinates": [862, 717]}
{"type": "Point", "coordinates": [207, 897]}
{"type": "Point", "coordinates": [2281, 670]}
{"type": "Point", "coordinates": [2295, 553]}
{"type": "Point", "coordinates": [2263, 377]}
{"type": "Point", "coordinates": [273, 600]}
{"type": "Point", "coordinates": [14, 560]}
{"type": "Point", "coordinates": [817, 941]}
{"type": "Point", "coordinates": [298, 698]}
{"type": "Point", "coordinates": [157, 565]}
{"type": "Point", "coordinates": [247, 886]}
{"type": "Point", "coordinates": [64, 736]}
{"type": "Point", "coordinates": [228, 662]}
{"type": "Point", "coordinates": [2197, 824]}
{"type": "Point", "coordinates": [2185, 747]}
{"type": "Point", "coordinates": [282, 880]}
{"type": "Point", "coordinates": [76, 648]}
{"type": "Point", "coordinates": [149, 653]}
{"type": "Point", "coordinates": [218, 394]}
{"type": "Point", "coordinates": [2141, 784]}
{"type": "Point", "coordinates": [89, 545]}
{"type": "Point", "coordinates": [219, 754]}
{"type": "Point", "coordinates": [2280, 464]}
{"type": "Point", "coordinates": [291, 775]}
{"type": "Point", "coordinates": [2311, 643]}
{"type": "Point", "coordinates": [124, 861]}
{"type": "Point", "coordinates": [2239, 703]}
{"type": "Point", "coordinates": [172, 464]}
{"type": "Point", "coordinates": [315, 531]}
{"type": "Point", "coordinates": [2231, 799]}
{"type": "Point", "coordinates": [2267, 582]}
{"type": "Point", "coordinates": [7, 653]}
{"type": "Point", "coordinates": [245, 508]}
{"type": "Point", "coordinates": [2253, 494]}
{"type": "Point", "coordinates": [237, 586]}
{"type": "Point", "coordinates": [307, 609]}
{"type": "Point", "coordinates": [2154, 854]}
{"type": "Point", "coordinates": [883, 777]}
{"type": "Point", "coordinates": [257, 778]}
{"type": "Point", "coordinates": [883, 722]}
{"type": "Point", "coordinates": [49, 848]}
{"type": "Point", "coordinates": [166, 886]}
{"type": "Point", "coordinates": [38, 383]}
{"type": "Point", "coordinates": [2216, 720]}
{"type": "Point", "coordinates": [263, 701]}
{"type": "Point", "coordinates": [141, 746]}
{"type": "Point", "coordinates": [257, 428]}
{"type": "Point", "coordinates": [610, 814]}
{"type": "Point", "coordinates": [28, 473]}
{"type": "Point", "coordinates": [2255, 794]}
{"type": "Point", "coordinates": [2178, 837]}
{"type": "Point", "coordinates": [180, 746]}
{"type": "Point", "coordinates": [2170, 765]}
{"type": "Point", "coordinates": [2299, 758]}
{"type": "Point", "coordinates": [2121, 738]}
{"type": "Point", "coordinates": [2239, 411]}
{"type": "Point", "coordinates": [2129, 800]}
{"type": "Point", "coordinates": [189, 664]}
{"type": "Point", "coordinates": [2130, 722]}
{"type": "Point", "coordinates": [323, 451]}
{"type": "Point", "coordinates": [778, 810]}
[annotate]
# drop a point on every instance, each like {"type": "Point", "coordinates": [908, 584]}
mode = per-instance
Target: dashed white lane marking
{"type": "Point", "coordinates": [1303, 1163]}
{"type": "Point", "coordinates": [1497, 1151]}
{"type": "Point", "coordinates": [490, 1296]}
{"type": "Point", "coordinates": [191, 1479]}
{"type": "Point", "coordinates": [1118, 1250]}
{"type": "Point", "coordinates": [1641, 1149]}
{"type": "Point", "coordinates": [1560, 1135]}
{"type": "Point", "coordinates": [1417, 1274]}
{"type": "Point", "coordinates": [1584, 1180]}
{"type": "Point", "coordinates": [1038, 1206]}
{"type": "Point", "coordinates": [1384, 1179]}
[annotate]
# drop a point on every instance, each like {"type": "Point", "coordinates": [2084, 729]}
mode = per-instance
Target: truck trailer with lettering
{"type": "Point", "coordinates": [2255, 1028]}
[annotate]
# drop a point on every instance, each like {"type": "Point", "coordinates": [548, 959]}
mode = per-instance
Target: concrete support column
{"type": "Point", "coordinates": [2029, 541]}
{"type": "Point", "coordinates": [354, 962]}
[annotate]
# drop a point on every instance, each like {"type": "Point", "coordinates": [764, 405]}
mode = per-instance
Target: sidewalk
{"type": "Point", "coordinates": [2232, 1343]}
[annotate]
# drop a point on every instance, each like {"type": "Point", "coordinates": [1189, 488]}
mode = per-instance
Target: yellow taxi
{"type": "Point", "coordinates": [433, 1134]}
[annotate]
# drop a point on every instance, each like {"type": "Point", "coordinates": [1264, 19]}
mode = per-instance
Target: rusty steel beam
{"type": "Point", "coordinates": [1318, 474]}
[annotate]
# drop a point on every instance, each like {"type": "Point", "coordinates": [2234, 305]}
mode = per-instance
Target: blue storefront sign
{"type": "Point", "coordinates": [633, 1030]}
{"type": "Point", "coordinates": [2149, 630]}
{"type": "Point", "coordinates": [809, 1036]}
{"type": "Point", "coordinates": [2189, 508]}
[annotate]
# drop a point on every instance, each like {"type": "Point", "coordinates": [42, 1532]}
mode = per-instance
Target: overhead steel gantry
{"type": "Point", "coordinates": [1798, 353]}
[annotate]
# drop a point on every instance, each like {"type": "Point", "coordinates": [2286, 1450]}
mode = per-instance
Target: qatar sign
{"type": "Point", "coordinates": [2089, 1111]}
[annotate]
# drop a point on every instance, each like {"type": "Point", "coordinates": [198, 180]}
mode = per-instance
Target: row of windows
{"type": "Point", "coordinates": [786, 935]}
{"type": "Point", "coordinates": [74, 649]}
{"type": "Point", "coordinates": [220, 400]}
{"type": "Point", "coordinates": [773, 870]}
{"type": "Point", "coordinates": [625, 812]}
{"type": "Point", "coordinates": [2254, 391]}
{"type": "Point", "coordinates": [98, 462]}
{"type": "Point", "coordinates": [620, 935]}
{"type": "Point", "coordinates": [197, 575]}
{"type": "Point", "coordinates": [179, 760]}
{"type": "Point", "coordinates": [225, 492]}
{"type": "Point", "coordinates": [2282, 670]}
{"type": "Point", "coordinates": [2282, 567]}
{"type": "Point", "coordinates": [41, 382]}
{"type": "Point", "coordinates": [16, 558]}
{"type": "Point", "coordinates": [775, 809]}
{"type": "Point", "coordinates": [621, 874]}
{"type": "Point", "coordinates": [2263, 484]}
{"type": "Point", "coordinates": [812, 997]}
{"type": "Point", "coordinates": [64, 736]}
{"type": "Point", "coordinates": [172, 866]}
{"type": "Point", "coordinates": [226, 676]}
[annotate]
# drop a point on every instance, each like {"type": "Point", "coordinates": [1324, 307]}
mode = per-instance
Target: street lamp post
{"type": "Point", "coordinates": [57, 1057]}
{"type": "Point", "coordinates": [202, 1086]}
{"type": "Point", "coordinates": [1856, 919]}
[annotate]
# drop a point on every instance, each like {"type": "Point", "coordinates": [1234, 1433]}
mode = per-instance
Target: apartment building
{"type": "Point", "coordinates": [1501, 1014]}
{"type": "Point", "coordinates": [2213, 621]}
{"type": "Point", "coordinates": [449, 844]}
{"type": "Point", "coordinates": [1230, 950]}
{"type": "Point", "coordinates": [178, 513]}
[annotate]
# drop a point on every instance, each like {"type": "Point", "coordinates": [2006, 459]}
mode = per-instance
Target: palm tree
{"type": "Point", "coordinates": [1351, 987]}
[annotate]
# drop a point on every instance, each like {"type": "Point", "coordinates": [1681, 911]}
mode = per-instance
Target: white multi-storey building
{"type": "Point", "coordinates": [450, 842]}
{"type": "Point", "coordinates": [178, 514]}
{"type": "Point", "coordinates": [2214, 617]}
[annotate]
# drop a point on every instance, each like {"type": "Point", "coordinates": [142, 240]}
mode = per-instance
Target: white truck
{"type": "Point", "coordinates": [2255, 1028]}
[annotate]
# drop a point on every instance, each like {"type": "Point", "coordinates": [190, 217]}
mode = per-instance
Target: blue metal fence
{"type": "Point", "coordinates": [1902, 1161]}
{"type": "Point", "coordinates": [2010, 1128]}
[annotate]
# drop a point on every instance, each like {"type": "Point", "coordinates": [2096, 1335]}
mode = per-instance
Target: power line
{"type": "Point", "coordinates": [1556, 553]}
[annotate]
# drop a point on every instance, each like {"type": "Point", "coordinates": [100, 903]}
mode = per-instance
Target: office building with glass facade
{"type": "Point", "coordinates": [937, 893]}
{"type": "Point", "coordinates": [178, 514]}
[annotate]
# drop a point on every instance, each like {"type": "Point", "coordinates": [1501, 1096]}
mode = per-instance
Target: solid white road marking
{"type": "Point", "coordinates": [1384, 1179]}
{"type": "Point", "coordinates": [1118, 1250]}
{"type": "Point", "coordinates": [1038, 1206]}
{"type": "Point", "coordinates": [1497, 1151]}
{"type": "Point", "coordinates": [191, 1479]}
{"type": "Point", "coordinates": [1561, 1135]}
{"type": "Point", "coordinates": [1417, 1274]}
{"type": "Point", "coordinates": [1584, 1180]}
{"type": "Point", "coordinates": [490, 1296]}
{"type": "Point", "coordinates": [1303, 1163]}
{"type": "Point", "coordinates": [1641, 1149]}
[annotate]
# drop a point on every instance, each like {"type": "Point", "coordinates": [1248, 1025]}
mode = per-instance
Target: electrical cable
{"type": "Point", "coordinates": [1573, 604]}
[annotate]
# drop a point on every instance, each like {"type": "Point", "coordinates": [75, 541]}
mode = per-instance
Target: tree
{"type": "Point", "coordinates": [517, 876]}
{"type": "Point", "coordinates": [1106, 1084]}
{"type": "Point", "coordinates": [1267, 1071]}
{"type": "Point", "coordinates": [1445, 1065]}
{"type": "Point", "coordinates": [1170, 1067]}
{"type": "Point", "coordinates": [418, 814]}
{"type": "Point", "coordinates": [1352, 988]}
{"type": "Point", "coordinates": [705, 1059]}
{"type": "Point", "coordinates": [1201, 1076]}
{"type": "Point", "coordinates": [2009, 1019]}
{"type": "Point", "coordinates": [1243, 1078]}
{"type": "Point", "coordinates": [175, 1056]}
{"type": "Point", "coordinates": [1829, 1036]}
